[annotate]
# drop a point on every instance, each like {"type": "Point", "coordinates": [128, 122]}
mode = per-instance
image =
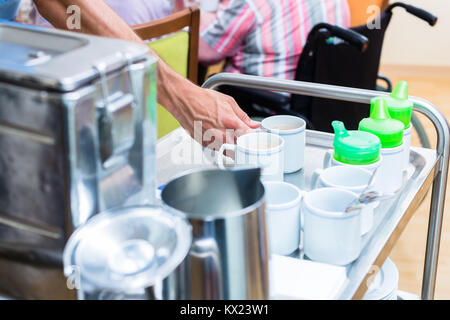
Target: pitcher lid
{"type": "Point", "coordinates": [380, 123]}
{"type": "Point", "coordinates": [128, 249]}
{"type": "Point", "coordinates": [355, 147]}
{"type": "Point", "coordinates": [399, 105]}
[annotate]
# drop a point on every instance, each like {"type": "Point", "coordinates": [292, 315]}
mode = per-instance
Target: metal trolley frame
{"type": "Point", "coordinates": [440, 123]}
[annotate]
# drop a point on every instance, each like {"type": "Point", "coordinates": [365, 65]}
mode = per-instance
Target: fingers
{"type": "Point", "coordinates": [243, 116]}
{"type": "Point", "coordinates": [233, 118]}
{"type": "Point", "coordinates": [214, 138]}
{"type": "Point", "coordinates": [222, 121]}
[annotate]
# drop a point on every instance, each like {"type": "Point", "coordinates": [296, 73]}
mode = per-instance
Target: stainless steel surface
{"type": "Point", "coordinates": [228, 258]}
{"type": "Point", "coordinates": [386, 218]}
{"type": "Point", "coordinates": [58, 59]}
{"type": "Point", "coordinates": [369, 197]}
{"type": "Point", "coordinates": [359, 203]}
{"type": "Point", "coordinates": [69, 155]}
{"type": "Point", "coordinates": [364, 96]}
{"type": "Point", "coordinates": [123, 252]}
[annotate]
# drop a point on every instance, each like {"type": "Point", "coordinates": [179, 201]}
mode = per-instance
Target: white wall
{"type": "Point", "coordinates": [411, 41]}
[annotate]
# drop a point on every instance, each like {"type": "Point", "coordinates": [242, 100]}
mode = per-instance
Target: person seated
{"type": "Point", "coordinates": [264, 37]}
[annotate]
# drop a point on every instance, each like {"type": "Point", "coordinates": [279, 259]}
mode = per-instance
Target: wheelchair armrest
{"type": "Point", "coordinates": [263, 98]}
{"type": "Point", "coordinates": [419, 13]}
{"type": "Point", "coordinates": [354, 38]}
{"type": "Point", "coordinates": [388, 84]}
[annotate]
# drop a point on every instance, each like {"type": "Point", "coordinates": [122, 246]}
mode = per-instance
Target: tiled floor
{"type": "Point", "coordinates": [432, 84]}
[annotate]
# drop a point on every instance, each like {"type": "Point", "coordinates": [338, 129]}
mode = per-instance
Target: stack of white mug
{"type": "Point", "coordinates": [330, 235]}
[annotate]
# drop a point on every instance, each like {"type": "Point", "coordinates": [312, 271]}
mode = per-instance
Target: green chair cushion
{"type": "Point", "coordinates": [174, 50]}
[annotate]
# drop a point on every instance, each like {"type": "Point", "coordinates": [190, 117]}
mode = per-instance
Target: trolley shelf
{"type": "Point", "coordinates": [177, 152]}
{"type": "Point", "coordinates": [428, 168]}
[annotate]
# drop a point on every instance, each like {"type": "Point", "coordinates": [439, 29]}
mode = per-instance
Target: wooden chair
{"type": "Point", "coordinates": [189, 17]}
{"type": "Point", "coordinates": [179, 50]}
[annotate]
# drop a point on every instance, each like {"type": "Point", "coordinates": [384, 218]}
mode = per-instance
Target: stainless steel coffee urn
{"type": "Point", "coordinates": [77, 137]}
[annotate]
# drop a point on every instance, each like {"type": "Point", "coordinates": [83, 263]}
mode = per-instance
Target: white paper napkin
{"type": "Point", "coordinates": [295, 279]}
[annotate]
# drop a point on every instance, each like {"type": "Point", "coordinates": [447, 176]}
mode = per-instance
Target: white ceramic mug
{"type": "Point", "coordinates": [407, 145]}
{"type": "Point", "coordinates": [260, 149]}
{"type": "Point", "coordinates": [330, 161]}
{"type": "Point", "coordinates": [390, 176]}
{"type": "Point", "coordinates": [350, 178]}
{"type": "Point", "coordinates": [329, 234]}
{"type": "Point", "coordinates": [293, 130]}
{"type": "Point", "coordinates": [283, 216]}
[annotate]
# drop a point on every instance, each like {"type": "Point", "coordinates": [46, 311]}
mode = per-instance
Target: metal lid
{"type": "Point", "coordinates": [128, 249]}
{"type": "Point", "coordinates": [60, 60]}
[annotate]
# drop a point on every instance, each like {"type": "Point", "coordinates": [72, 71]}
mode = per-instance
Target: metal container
{"type": "Point", "coordinates": [229, 255]}
{"type": "Point", "coordinates": [125, 253]}
{"type": "Point", "coordinates": [77, 137]}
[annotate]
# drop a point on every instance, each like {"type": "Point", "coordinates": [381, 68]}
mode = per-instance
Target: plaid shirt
{"type": "Point", "coordinates": [266, 37]}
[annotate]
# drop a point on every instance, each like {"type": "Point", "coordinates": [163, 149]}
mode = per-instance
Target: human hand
{"type": "Point", "coordinates": [211, 117]}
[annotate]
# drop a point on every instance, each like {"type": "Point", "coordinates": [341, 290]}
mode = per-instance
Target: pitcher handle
{"type": "Point", "coordinates": [302, 219]}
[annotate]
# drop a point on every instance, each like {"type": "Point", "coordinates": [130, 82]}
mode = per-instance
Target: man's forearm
{"type": "Point", "coordinates": [99, 19]}
{"type": "Point", "coordinates": [172, 87]}
{"type": "Point", "coordinates": [186, 101]}
{"type": "Point", "coordinates": [96, 18]}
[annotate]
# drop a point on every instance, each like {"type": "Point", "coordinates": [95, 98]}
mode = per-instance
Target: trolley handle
{"type": "Point", "coordinates": [364, 96]}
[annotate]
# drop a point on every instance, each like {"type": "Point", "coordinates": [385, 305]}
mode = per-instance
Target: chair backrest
{"type": "Point", "coordinates": [358, 10]}
{"type": "Point", "coordinates": [189, 17]}
{"type": "Point", "coordinates": [340, 64]}
{"type": "Point", "coordinates": [325, 61]}
{"type": "Point", "coordinates": [179, 50]}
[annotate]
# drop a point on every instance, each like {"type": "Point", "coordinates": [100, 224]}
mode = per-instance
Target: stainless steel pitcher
{"type": "Point", "coordinates": [229, 255]}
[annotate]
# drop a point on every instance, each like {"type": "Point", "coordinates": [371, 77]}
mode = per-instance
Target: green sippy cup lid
{"type": "Point", "coordinates": [355, 147]}
{"type": "Point", "coordinates": [390, 131]}
{"type": "Point", "coordinates": [399, 106]}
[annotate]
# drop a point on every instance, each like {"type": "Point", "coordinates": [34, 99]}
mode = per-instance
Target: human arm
{"type": "Point", "coordinates": [186, 101]}
{"type": "Point", "coordinates": [223, 33]}
{"type": "Point", "coordinates": [206, 54]}
{"type": "Point", "coordinates": [96, 18]}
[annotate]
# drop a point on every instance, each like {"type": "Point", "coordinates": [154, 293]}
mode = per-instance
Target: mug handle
{"type": "Point", "coordinates": [260, 128]}
{"type": "Point", "coordinates": [364, 206]}
{"type": "Point", "coordinates": [404, 179]}
{"type": "Point", "coordinates": [220, 157]}
{"type": "Point", "coordinates": [302, 220]}
{"type": "Point", "coordinates": [315, 178]}
{"type": "Point", "coordinates": [327, 159]}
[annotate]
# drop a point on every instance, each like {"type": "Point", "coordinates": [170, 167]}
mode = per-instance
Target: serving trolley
{"type": "Point", "coordinates": [428, 169]}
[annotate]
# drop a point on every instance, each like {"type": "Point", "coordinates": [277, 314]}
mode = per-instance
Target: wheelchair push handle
{"type": "Point", "coordinates": [419, 13]}
{"type": "Point", "coordinates": [352, 37]}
